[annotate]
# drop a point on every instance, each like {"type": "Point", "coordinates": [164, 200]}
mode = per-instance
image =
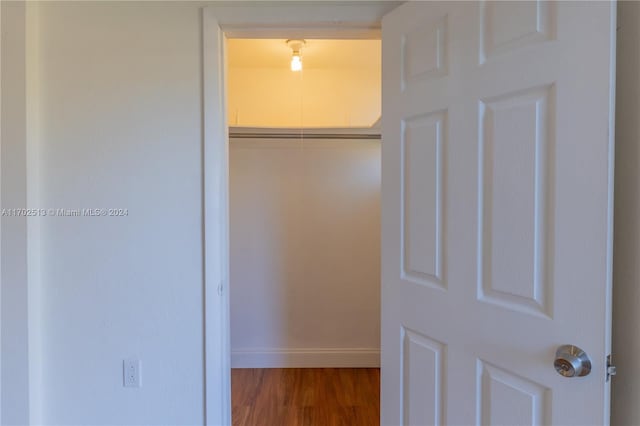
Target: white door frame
{"type": "Point", "coordinates": [356, 20]}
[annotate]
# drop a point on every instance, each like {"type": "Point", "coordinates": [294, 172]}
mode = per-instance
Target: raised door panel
{"type": "Point", "coordinates": [424, 51]}
{"type": "Point", "coordinates": [515, 186]}
{"type": "Point", "coordinates": [509, 25]}
{"type": "Point", "coordinates": [506, 399]}
{"type": "Point", "coordinates": [423, 378]}
{"type": "Point", "coordinates": [423, 145]}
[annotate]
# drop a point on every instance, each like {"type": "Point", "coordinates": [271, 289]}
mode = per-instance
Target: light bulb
{"type": "Point", "coordinates": [296, 62]}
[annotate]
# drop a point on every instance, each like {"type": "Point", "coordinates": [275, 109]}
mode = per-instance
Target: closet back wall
{"type": "Point", "coordinates": [305, 253]}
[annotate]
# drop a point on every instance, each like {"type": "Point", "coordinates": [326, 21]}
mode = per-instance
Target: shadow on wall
{"type": "Point", "coordinates": [626, 269]}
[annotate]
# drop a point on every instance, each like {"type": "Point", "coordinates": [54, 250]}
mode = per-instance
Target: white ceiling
{"type": "Point", "coordinates": [274, 53]}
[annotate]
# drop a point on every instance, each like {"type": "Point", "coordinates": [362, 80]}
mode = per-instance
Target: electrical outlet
{"type": "Point", "coordinates": [131, 373]}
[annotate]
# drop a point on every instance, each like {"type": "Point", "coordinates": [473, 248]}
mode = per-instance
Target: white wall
{"type": "Point", "coordinates": [305, 248]}
{"type": "Point", "coordinates": [314, 98]}
{"type": "Point", "coordinates": [339, 86]}
{"type": "Point", "coordinates": [626, 273]}
{"type": "Point", "coordinates": [120, 124]}
{"type": "Point", "coordinates": [13, 308]}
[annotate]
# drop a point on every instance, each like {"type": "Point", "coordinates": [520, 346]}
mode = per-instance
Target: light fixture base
{"type": "Point", "coordinates": [296, 44]}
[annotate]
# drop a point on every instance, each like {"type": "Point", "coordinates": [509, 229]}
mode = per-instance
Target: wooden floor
{"type": "Point", "coordinates": [306, 396]}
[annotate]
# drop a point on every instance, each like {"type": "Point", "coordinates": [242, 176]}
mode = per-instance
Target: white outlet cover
{"type": "Point", "coordinates": [131, 373]}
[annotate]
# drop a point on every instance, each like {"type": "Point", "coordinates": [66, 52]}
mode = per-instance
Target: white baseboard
{"type": "Point", "coordinates": [306, 358]}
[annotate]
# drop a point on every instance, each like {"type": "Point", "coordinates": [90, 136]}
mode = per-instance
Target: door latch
{"type": "Point", "coordinates": [611, 369]}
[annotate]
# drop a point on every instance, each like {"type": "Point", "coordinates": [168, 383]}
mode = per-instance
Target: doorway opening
{"type": "Point", "coordinates": [304, 230]}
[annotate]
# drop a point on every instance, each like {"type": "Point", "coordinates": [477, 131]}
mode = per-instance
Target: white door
{"type": "Point", "coordinates": [497, 211]}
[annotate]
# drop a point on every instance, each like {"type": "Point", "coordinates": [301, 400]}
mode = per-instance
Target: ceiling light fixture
{"type": "Point", "coordinates": [296, 59]}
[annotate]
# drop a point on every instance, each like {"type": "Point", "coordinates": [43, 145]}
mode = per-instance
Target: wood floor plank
{"type": "Point", "coordinates": [305, 397]}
